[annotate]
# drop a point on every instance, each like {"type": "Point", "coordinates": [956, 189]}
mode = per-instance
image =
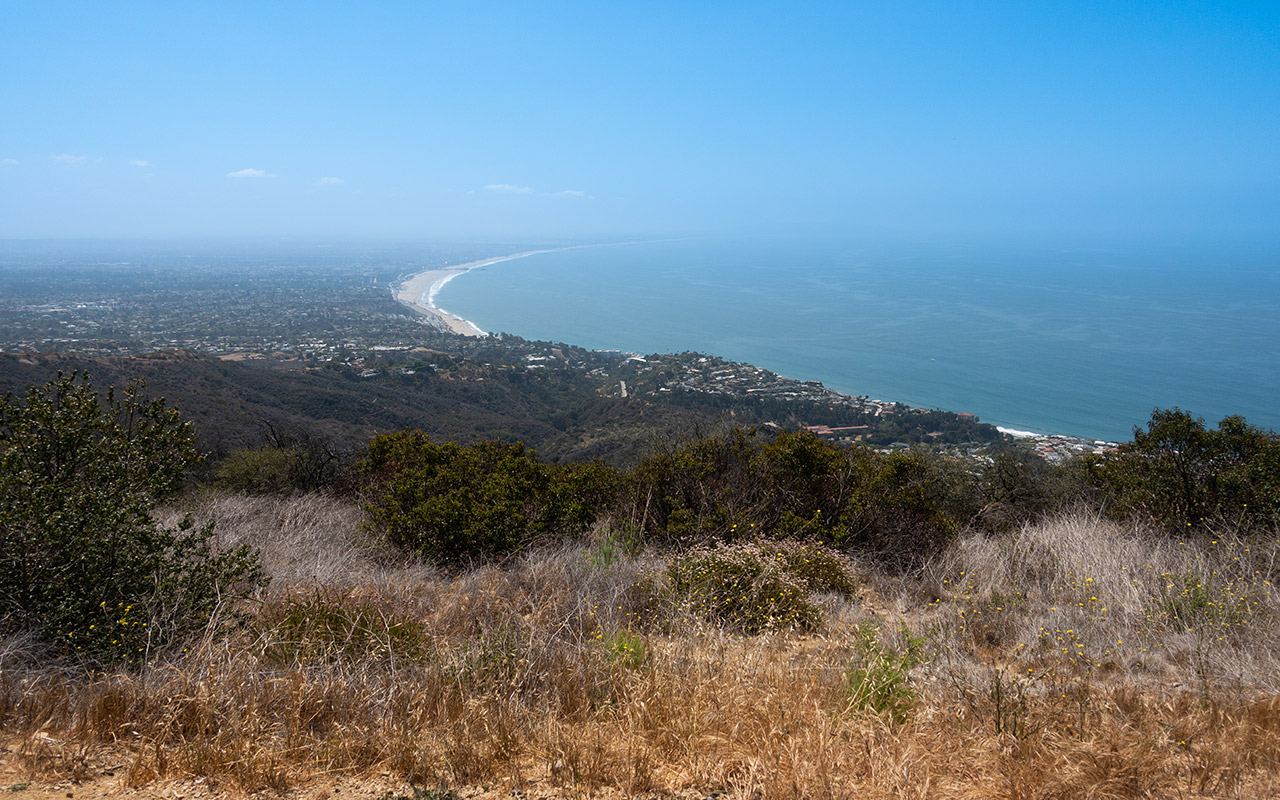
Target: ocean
{"type": "Point", "coordinates": [1078, 340]}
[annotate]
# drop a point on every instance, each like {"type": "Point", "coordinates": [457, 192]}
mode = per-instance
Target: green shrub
{"type": "Point", "coordinates": [878, 679]}
{"type": "Point", "coordinates": [627, 649]}
{"type": "Point", "coordinates": [898, 509]}
{"type": "Point", "coordinates": [453, 504]}
{"type": "Point", "coordinates": [756, 587]}
{"type": "Point", "coordinates": [328, 627]}
{"type": "Point", "coordinates": [1019, 487]}
{"type": "Point", "coordinates": [85, 563]}
{"type": "Point", "coordinates": [1183, 475]}
{"type": "Point", "coordinates": [707, 490]}
{"type": "Point", "coordinates": [608, 546]}
{"type": "Point", "coordinates": [290, 461]}
{"type": "Point", "coordinates": [260, 470]}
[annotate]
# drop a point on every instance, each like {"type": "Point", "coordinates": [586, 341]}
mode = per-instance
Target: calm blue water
{"type": "Point", "coordinates": [1079, 341]}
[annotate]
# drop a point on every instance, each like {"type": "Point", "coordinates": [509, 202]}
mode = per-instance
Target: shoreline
{"type": "Point", "coordinates": [424, 286]}
{"type": "Point", "coordinates": [419, 291]}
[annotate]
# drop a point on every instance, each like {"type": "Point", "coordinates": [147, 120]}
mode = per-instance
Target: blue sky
{"type": "Point", "coordinates": [563, 119]}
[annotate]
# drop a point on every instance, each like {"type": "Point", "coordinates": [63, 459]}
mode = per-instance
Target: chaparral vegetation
{"type": "Point", "coordinates": [752, 613]}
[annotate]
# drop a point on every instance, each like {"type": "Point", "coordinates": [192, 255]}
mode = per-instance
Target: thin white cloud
{"type": "Point", "coordinates": [330, 181]}
{"type": "Point", "coordinates": [8, 162]}
{"type": "Point", "coordinates": [140, 162]}
{"type": "Point", "coordinates": [68, 160]}
{"type": "Point", "coordinates": [250, 172]}
{"type": "Point", "coordinates": [508, 188]}
{"type": "Point", "coordinates": [569, 193]}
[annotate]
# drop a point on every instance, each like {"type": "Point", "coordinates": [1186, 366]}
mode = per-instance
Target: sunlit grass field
{"type": "Point", "coordinates": [1076, 657]}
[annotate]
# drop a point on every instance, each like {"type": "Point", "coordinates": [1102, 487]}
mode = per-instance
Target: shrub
{"type": "Point", "coordinates": [627, 649]}
{"type": "Point", "coordinates": [452, 504]}
{"type": "Point", "coordinates": [290, 461]}
{"type": "Point", "coordinates": [1019, 487]}
{"type": "Point", "coordinates": [85, 564]}
{"type": "Point", "coordinates": [878, 679]}
{"type": "Point", "coordinates": [897, 509]}
{"type": "Point", "coordinates": [259, 470]}
{"type": "Point", "coordinates": [328, 627]}
{"type": "Point", "coordinates": [756, 587]}
{"type": "Point", "coordinates": [901, 510]}
{"type": "Point", "coordinates": [1182, 474]}
{"type": "Point", "coordinates": [700, 492]}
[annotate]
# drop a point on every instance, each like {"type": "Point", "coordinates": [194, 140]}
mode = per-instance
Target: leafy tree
{"type": "Point", "coordinates": [85, 563]}
{"type": "Point", "coordinates": [1182, 474]}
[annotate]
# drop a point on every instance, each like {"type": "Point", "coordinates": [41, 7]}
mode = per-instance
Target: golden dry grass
{"type": "Point", "coordinates": [1075, 658]}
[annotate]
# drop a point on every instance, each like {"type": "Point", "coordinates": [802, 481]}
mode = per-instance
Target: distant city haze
{"type": "Point", "coordinates": [1066, 121]}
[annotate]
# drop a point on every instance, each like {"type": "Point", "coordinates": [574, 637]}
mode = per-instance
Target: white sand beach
{"type": "Point", "coordinates": [419, 291]}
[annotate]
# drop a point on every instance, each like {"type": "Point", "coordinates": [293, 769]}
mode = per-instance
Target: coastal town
{"type": "Point", "coordinates": [370, 322]}
{"type": "Point", "coordinates": [692, 373]}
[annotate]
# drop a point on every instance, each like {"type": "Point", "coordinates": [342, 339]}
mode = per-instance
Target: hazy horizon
{"type": "Point", "coordinates": [1058, 121]}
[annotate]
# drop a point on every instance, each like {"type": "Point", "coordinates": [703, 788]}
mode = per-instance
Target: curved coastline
{"type": "Point", "coordinates": [419, 291]}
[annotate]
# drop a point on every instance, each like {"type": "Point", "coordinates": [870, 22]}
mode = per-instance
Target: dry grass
{"type": "Point", "coordinates": [540, 670]}
{"type": "Point", "coordinates": [1091, 593]}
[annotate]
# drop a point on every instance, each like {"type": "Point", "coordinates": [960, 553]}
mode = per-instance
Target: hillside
{"type": "Point", "coordinates": [233, 402]}
{"type": "Point", "coordinates": [492, 393]}
{"type": "Point", "coordinates": [1053, 663]}
{"type": "Point", "coordinates": [709, 580]}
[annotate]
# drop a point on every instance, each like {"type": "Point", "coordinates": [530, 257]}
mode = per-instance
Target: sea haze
{"type": "Point", "coordinates": [1083, 341]}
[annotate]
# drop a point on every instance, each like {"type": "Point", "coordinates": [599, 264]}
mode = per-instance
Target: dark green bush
{"type": "Point", "coordinates": [259, 470]}
{"type": "Point", "coordinates": [1183, 475]}
{"type": "Point", "coordinates": [85, 564]}
{"type": "Point", "coordinates": [707, 490]}
{"type": "Point", "coordinates": [453, 504]}
{"type": "Point", "coordinates": [289, 462]}
{"type": "Point", "coordinates": [902, 508]}
{"type": "Point", "coordinates": [1018, 487]}
{"type": "Point", "coordinates": [897, 509]}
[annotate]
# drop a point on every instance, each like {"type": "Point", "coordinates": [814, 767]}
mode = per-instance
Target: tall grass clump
{"type": "Point", "coordinates": [1090, 592]}
{"type": "Point", "coordinates": [328, 627]}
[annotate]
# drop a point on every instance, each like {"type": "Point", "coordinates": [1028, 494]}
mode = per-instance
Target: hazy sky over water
{"type": "Point", "coordinates": [596, 118]}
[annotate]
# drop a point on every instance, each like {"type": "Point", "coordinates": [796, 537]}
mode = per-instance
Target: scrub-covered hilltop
{"type": "Point", "coordinates": [750, 614]}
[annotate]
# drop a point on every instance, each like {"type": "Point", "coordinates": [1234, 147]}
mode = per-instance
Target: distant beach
{"type": "Point", "coordinates": [1034, 338]}
{"type": "Point", "coordinates": [419, 291]}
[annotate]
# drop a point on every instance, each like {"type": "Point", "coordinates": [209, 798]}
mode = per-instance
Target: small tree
{"type": "Point", "coordinates": [1182, 474]}
{"type": "Point", "coordinates": [85, 563]}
